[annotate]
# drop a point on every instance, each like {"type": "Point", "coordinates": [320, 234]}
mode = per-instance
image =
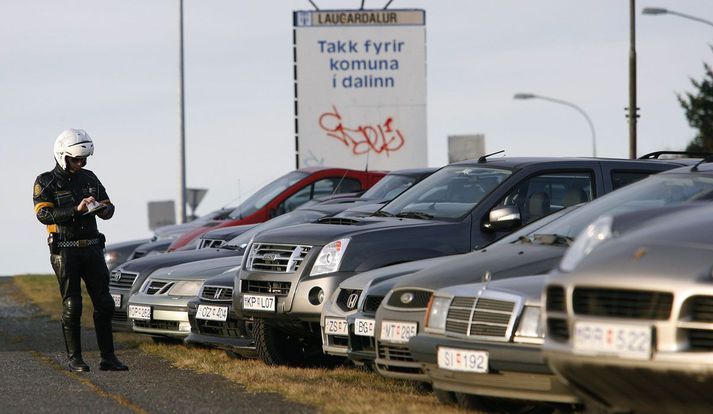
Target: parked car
{"type": "Point", "coordinates": [537, 252]}
{"type": "Point", "coordinates": [628, 325]}
{"type": "Point", "coordinates": [173, 231]}
{"type": "Point", "coordinates": [218, 237]}
{"type": "Point", "coordinates": [214, 322]}
{"type": "Point", "coordinates": [160, 306]}
{"type": "Point", "coordinates": [117, 253]}
{"type": "Point", "coordinates": [286, 194]}
{"type": "Point", "coordinates": [128, 278]}
{"type": "Point", "coordinates": [150, 248]}
{"type": "Point", "coordinates": [288, 273]}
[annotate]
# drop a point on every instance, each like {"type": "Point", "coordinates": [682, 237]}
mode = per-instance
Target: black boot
{"type": "Point", "coordinates": [73, 344]}
{"type": "Point", "coordinates": [112, 363]}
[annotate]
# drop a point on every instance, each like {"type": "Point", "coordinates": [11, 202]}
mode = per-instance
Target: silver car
{"type": "Point", "coordinates": [160, 307]}
{"type": "Point", "coordinates": [630, 321]}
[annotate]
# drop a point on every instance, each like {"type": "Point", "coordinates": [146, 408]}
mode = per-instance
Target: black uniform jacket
{"type": "Point", "coordinates": [58, 192]}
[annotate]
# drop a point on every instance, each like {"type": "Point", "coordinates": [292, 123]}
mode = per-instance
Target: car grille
{"type": "Point", "coordinates": [555, 299]}
{"type": "Point", "coordinates": [346, 301]}
{"type": "Point", "coordinates": [126, 279]}
{"type": "Point", "coordinates": [276, 257]}
{"type": "Point", "coordinates": [338, 340]}
{"type": "Point", "coordinates": [700, 340]}
{"type": "Point", "coordinates": [154, 324]}
{"type": "Point", "coordinates": [229, 328]}
{"type": "Point", "coordinates": [557, 329]}
{"type": "Point", "coordinates": [481, 317]}
{"type": "Point", "coordinates": [371, 304]}
{"type": "Point", "coordinates": [362, 343]}
{"type": "Point", "coordinates": [419, 298]}
{"type": "Point", "coordinates": [700, 308]}
{"type": "Point", "coordinates": [395, 352]}
{"type": "Point", "coordinates": [210, 243]}
{"type": "Point", "coordinates": [217, 293]}
{"type": "Point", "coordinates": [635, 304]}
{"type": "Point", "coordinates": [157, 287]}
{"type": "Point", "coordinates": [338, 220]}
{"type": "Point", "coordinates": [119, 316]}
{"type": "Point", "coordinates": [259, 286]}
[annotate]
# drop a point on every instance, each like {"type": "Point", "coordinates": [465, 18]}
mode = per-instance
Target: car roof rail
{"type": "Point", "coordinates": [483, 159]}
{"type": "Point", "coordinates": [689, 154]}
{"type": "Point", "coordinates": [704, 160]}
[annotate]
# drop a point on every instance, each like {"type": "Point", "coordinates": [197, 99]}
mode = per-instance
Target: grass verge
{"type": "Point", "coordinates": [339, 390]}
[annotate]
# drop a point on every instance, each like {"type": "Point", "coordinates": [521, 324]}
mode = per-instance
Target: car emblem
{"type": "Point", "coordinates": [486, 277]}
{"type": "Point", "coordinates": [639, 253]}
{"type": "Point", "coordinates": [352, 300]}
{"type": "Point", "coordinates": [217, 293]}
{"type": "Point", "coordinates": [115, 277]}
{"type": "Point", "coordinates": [407, 298]}
{"type": "Point", "coordinates": [269, 257]}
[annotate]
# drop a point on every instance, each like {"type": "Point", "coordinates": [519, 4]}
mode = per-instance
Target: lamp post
{"type": "Point", "coordinates": [181, 123]}
{"type": "Point", "coordinates": [566, 103]}
{"type": "Point", "coordinates": [653, 11]}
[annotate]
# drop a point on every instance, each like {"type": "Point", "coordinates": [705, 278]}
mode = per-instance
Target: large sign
{"type": "Point", "coordinates": [360, 88]}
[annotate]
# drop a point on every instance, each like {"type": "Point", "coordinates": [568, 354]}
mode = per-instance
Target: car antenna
{"type": "Point", "coordinates": [339, 183]}
{"type": "Point", "coordinates": [483, 159]}
{"type": "Point", "coordinates": [704, 160]}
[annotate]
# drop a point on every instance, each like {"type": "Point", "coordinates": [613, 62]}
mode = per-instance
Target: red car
{"type": "Point", "coordinates": [286, 194]}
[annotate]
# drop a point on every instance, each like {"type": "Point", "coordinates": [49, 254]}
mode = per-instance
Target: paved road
{"type": "Point", "coordinates": [34, 379]}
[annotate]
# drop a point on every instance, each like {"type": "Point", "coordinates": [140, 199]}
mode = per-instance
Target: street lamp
{"type": "Point", "coordinates": [571, 105]}
{"type": "Point", "coordinates": [653, 11]}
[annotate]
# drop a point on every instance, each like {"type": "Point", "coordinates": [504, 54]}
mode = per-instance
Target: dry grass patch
{"type": "Point", "coordinates": [339, 390]}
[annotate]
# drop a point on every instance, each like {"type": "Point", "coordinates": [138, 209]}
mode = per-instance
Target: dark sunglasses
{"type": "Point", "coordinates": [77, 160]}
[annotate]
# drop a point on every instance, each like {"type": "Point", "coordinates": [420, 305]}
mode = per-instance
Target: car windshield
{"type": "Point", "coordinates": [449, 193]}
{"type": "Point", "coordinates": [287, 219]}
{"type": "Point", "coordinates": [264, 195]}
{"type": "Point", "coordinates": [389, 187]}
{"type": "Point", "coordinates": [655, 191]}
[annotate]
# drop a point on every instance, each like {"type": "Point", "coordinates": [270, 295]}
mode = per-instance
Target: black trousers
{"type": "Point", "coordinates": [71, 266]}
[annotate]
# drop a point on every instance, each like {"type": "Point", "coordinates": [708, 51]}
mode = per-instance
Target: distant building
{"type": "Point", "coordinates": [465, 147]}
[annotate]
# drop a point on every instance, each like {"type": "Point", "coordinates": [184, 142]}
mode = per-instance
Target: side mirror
{"type": "Point", "coordinates": [503, 218]}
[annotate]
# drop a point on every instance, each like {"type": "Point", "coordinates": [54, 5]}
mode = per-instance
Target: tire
{"type": "Point", "coordinates": [275, 347]}
{"type": "Point", "coordinates": [445, 397]}
{"type": "Point", "coordinates": [486, 405]}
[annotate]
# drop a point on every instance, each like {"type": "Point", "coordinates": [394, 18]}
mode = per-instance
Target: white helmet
{"type": "Point", "coordinates": [74, 143]}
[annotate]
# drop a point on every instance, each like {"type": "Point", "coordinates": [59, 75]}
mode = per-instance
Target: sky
{"type": "Point", "coordinates": [111, 67]}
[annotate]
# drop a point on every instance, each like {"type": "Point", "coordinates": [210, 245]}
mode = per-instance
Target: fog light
{"type": "Point", "coordinates": [316, 296]}
{"type": "Point", "coordinates": [184, 327]}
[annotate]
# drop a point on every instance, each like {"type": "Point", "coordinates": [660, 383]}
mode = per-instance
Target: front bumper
{"type": "Point", "coordinates": [299, 303]}
{"type": "Point", "coordinates": [119, 320]}
{"type": "Point", "coordinates": [395, 359]}
{"type": "Point", "coordinates": [516, 370]}
{"type": "Point", "coordinates": [169, 315]}
{"type": "Point", "coordinates": [234, 334]}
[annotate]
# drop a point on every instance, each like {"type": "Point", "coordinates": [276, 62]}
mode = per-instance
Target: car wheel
{"type": "Point", "coordinates": [486, 405]}
{"type": "Point", "coordinates": [445, 397]}
{"type": "Point", "coordinates": [276, 347]}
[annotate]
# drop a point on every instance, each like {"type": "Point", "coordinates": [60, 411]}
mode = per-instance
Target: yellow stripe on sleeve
{"type": "Point", "coordinates": [40, 206]}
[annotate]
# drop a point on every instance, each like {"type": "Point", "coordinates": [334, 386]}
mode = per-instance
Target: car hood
{"type": "Point", "coordinates": [502, 261]}
{"type": "Point", "coordinates": [225, 279]}
{"type": "Point", "coordinates": [527, 287]}
{"type": "Point", "coordinates": [202, 269]}
{"type": "Point", "coordinates": [319, 234]}
{"type": "Point", "coordinates": [150, 263]}
{"type": "Point", "coordinates": [382, 274]}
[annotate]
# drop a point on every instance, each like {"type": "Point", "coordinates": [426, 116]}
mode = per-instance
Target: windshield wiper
{"type": "Point", "coordinates": [553, 239]}
{"type": "Point", "coordinates": [523, 240]}
{"type": "Point", "coordinates": [381, 213]}
{"type": "Point", "coordinates": [230, 247]}
{"type": "Point", "coordinates": [415, 214]}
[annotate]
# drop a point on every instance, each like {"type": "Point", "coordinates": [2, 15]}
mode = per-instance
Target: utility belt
{"type": "Point", "coordinates": [57, 241]}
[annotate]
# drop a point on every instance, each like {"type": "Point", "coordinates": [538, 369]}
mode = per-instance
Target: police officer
{"type": "Point", "coordinates": [67, 199]}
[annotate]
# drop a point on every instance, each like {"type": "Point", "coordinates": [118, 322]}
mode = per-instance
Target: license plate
{"type": "Point", "coordinates": [398, 331]}
{"type": "Point", "coordinates": [463, 360]}
{"type": "Point", "coordinates": [364, 327]}
{"type": "Point", "coordinates": [140, 312]}
{"type": "Point", "coordinates": [117, 299]}
{"type": "Point", "coordinates": [259, 303]}
{"type": "Point", "coordinates": [627, 341]}
{"type": "Point", "coordinates": [212, 313]}
{"type": "Point", "coordinates": [336, 327]}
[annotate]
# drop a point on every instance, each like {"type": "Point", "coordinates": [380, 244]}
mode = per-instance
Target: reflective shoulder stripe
{"type": "Point", "coordinates": [40, 206]}
{"type": "Point", "coordinates": [52, 228]}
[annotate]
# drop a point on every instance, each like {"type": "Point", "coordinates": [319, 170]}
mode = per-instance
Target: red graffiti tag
{"type": "Point", "coordinates": [382, 138]}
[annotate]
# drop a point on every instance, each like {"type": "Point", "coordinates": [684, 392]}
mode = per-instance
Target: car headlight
{"type": "Point", "coordinates": [111, 257]}
{"type": "Point", "coordinates": [330, 257]}
{"type": "Point", "coordinates": [436, 313]}
{"type": "Point", "coordinates": [529, 329]}
{"type": "Point", "coordinates": [597, 232]}
{"type": "Point", "coordinates": [186, 288]}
